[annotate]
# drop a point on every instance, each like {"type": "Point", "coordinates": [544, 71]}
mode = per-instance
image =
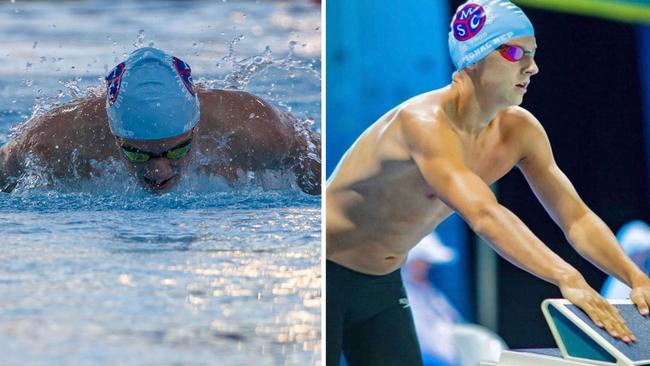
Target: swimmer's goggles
{"type": "Point", "coordinates": [514, 53]}
{"type": "Point", "coordinates": [138, 156]}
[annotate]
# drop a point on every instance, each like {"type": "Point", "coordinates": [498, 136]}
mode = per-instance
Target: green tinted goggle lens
{"type": "Point", "coordinates": [136, 157]}
{"type": "Point", "coordinates": [176, 153]}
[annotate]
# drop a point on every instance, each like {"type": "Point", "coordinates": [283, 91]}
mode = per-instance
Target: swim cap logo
{"type": "Point", "coordinates": [113, 82]}
{"type": "Point", "coordinates": [185, 73]}
{"type": "Point", "coordinates": [468, 22]}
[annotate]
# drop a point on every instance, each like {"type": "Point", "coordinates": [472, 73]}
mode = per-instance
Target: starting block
{"type": "Point", "coordinates": [580, 342]}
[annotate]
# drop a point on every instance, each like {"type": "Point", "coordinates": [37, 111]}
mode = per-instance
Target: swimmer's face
{"type": "Point", "coordinates": [157, 164]}
{"type": "Point", "coordinates": [505, 80]}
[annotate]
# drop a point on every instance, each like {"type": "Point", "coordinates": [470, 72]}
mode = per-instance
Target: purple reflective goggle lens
{"type": "Point", "coordinates": [511, 53]}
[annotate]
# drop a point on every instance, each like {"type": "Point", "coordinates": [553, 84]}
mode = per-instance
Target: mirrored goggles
{"type": "Point", "coordinates": [514, 53]}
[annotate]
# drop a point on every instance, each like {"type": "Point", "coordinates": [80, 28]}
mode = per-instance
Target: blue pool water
{"type": "Point", "coordinates": [101, 273]}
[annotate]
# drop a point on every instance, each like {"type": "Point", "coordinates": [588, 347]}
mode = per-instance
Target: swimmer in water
{"type": "Point", "coordinates": [437, 153]}
{"type": "Point", "coordinates": [156, 121]}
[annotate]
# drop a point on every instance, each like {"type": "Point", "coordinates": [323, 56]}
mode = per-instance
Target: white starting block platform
{"type": "Point", "coordinates": [580, 342]}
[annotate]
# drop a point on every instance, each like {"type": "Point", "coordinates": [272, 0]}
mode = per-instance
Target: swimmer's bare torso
{"type": "Point", "coordinates": [379, 205]}
{"type": "Point", "coordinates": [237, 132]}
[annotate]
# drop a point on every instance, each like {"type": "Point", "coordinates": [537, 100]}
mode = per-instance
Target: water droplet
{"type": "Point", "coordinates": [139, 42]}
{"type": "Point", "coordinates": [35, 43]}
{"type": "Point", "coordinates": [251, 116]}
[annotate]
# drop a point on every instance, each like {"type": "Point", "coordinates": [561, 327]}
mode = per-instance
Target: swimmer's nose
{"type": "Point", "coordinates": [531, 69]}
{"type": "Point", "coordinates": [158, 169]}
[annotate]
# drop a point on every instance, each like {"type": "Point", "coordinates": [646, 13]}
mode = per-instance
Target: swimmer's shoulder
{"type": "Point", "coordinates": [230, 99]}
{"type": "Point", "coordinates": [421, 110]}
{"type": "Point", "coordinates": [524, 132]}
{"type": "Point", "coordinates": [234, 109]}
{"type": "Point", "coordinates": [424, 118]}
{"type": "Point", "coordinates": [519, 123]}
{"type": "Point", "coordinates": [73, 122]}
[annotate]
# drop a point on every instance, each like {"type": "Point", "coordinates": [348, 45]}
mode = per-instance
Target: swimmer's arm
{"type": "Point", "coordinates": [304, 158]}
{"type": "Point", "coordinates": [440, 162]}
{"type": "Point", "coordinates": [586, 232]}
{"type": "Point", "coordinates": [9, 166]}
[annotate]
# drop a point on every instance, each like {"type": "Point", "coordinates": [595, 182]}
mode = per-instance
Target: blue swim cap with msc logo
{"type": "Point", "coordinates": [480, 26]}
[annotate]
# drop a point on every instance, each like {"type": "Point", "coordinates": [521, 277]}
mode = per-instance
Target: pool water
{"type": "Point", "coordinates": [102, 273]}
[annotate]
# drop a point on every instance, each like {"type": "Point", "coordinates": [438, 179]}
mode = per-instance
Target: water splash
{"type": "Point", "coordinates": [244, 70]}
{"type": "Point", "coordinates": [139, 42]}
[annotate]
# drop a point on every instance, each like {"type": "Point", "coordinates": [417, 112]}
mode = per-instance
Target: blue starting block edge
{"type": "Point", "coordinates": [581, 341]}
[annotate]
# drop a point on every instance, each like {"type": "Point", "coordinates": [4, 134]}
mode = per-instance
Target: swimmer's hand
{"type": "Point", "coordinates": [602, 313]}
{"type": "Point", "coordinates": [640, 296]}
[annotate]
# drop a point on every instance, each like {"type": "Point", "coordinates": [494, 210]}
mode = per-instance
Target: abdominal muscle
{"type": "Point", "coordinates": [371, 231]}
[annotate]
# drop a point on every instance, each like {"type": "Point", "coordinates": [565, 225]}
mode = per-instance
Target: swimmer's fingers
{"type": "Point", "coordinates": [594, 314]}
{"type": "Point", "coordinates": [614, 322]}
{"type": "Point", "coordinates": [601, 312]}
{"type": "Point", "coordinates": [640, 296]}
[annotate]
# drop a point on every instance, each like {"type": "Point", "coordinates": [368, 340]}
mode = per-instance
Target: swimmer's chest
{"type": "Point", "coordinates": [490, 163]}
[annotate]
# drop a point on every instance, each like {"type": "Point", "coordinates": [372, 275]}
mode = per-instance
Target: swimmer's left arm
{"type": "Point", "coordinates": [586, 232]}
{"type": "Point", "coordinates": [304, 158]}
{"type": "Point", "coordinates": [9, 166]}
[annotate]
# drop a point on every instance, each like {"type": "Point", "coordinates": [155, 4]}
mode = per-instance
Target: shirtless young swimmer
{"type": "Point", "coordinates": [435, 154]}
{"type": "Point", "coordinates": [150, 118]}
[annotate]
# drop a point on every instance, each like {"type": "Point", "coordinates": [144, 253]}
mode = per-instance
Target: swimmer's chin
{"type": "Point", "coordinates": [159, 187]}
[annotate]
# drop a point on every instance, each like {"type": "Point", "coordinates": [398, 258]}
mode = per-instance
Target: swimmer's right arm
{"type": "Point", "coordinates": [439, 159]}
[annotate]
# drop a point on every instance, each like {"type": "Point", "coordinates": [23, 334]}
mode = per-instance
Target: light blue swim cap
{"type": "Point", "coordinates": [480, 26]}
{"type": "Point", "coordinates": [151, 96]}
